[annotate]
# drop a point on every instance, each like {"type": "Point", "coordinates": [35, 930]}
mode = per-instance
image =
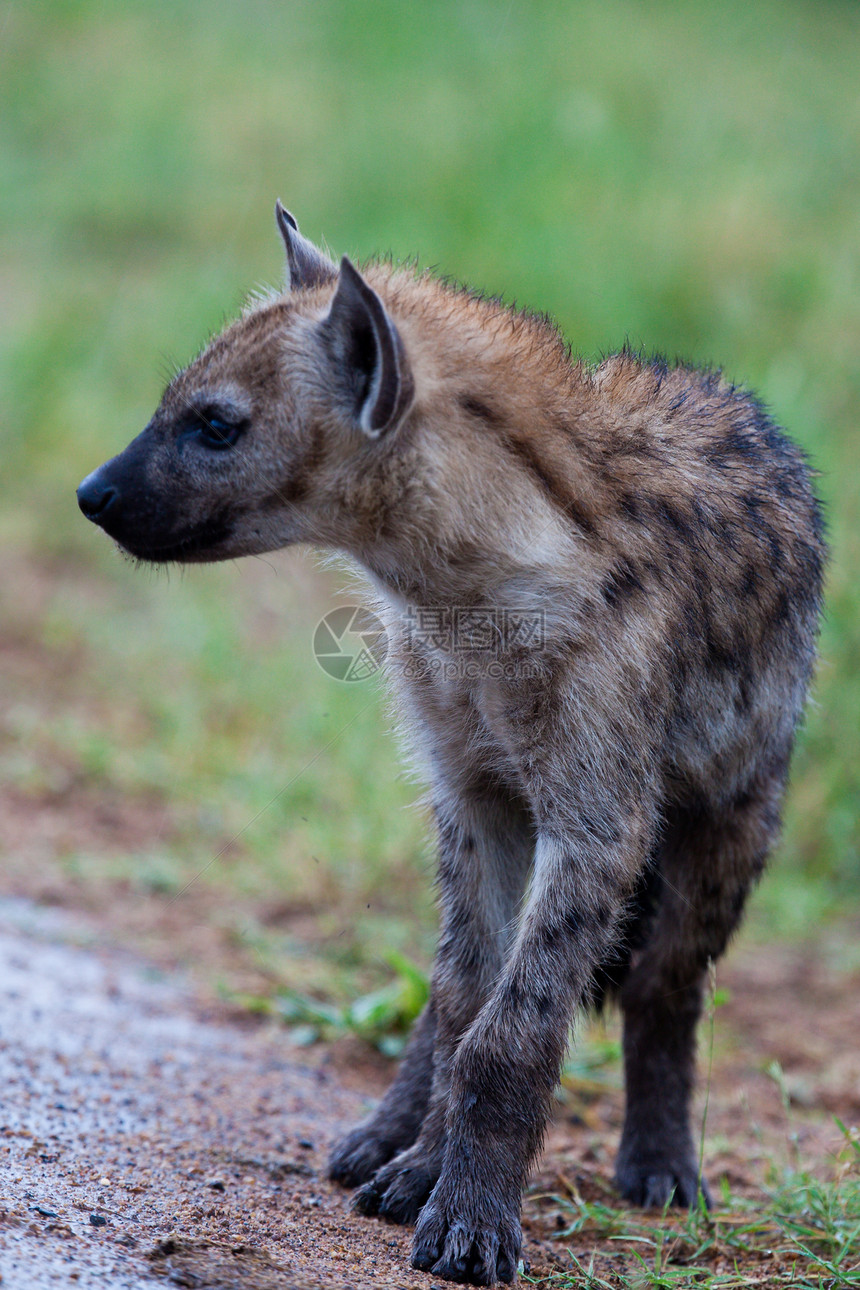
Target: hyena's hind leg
{"type": "Point", "coordinates": [709, 859]}
{"type": "Point", "coordinates": [486, 843]}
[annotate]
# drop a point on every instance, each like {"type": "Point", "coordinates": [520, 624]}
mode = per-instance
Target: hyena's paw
{"type": "Point", "coordinates": [476, 1239]}
{"type": "Point", "coordinates": [356, 1157]}
{"type": "Point", "coordinates": [653, 1183]}
{"type": "Point", "coordinates": [399, 1189]}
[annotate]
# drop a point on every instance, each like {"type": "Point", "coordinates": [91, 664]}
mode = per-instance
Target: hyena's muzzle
{"type": "Point", "coordinates": [152, 509]}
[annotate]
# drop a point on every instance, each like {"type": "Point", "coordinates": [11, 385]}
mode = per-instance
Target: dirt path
{"type": "Point", "coordinates": [141, 1140]}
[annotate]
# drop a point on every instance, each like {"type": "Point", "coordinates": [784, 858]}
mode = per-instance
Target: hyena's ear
{"type": "Point", "coordinates": [306, 266]}
{"type": "Point", "coordinates": [369, 361]}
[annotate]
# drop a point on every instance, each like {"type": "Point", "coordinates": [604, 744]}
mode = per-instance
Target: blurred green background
{"type": "Point", "coordinates": [681, 174]}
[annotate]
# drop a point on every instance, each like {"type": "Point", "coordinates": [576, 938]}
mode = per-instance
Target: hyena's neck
{"type": "Point", "coordinates": [467, 546]}
{"type": "Point", "coordinates": [486, 493]}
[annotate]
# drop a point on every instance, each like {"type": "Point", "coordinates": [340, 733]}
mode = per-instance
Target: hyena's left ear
{"type": "Point", "coordinates": [306, 266]}
{"type": "Point", "coordinates": [367, 355]}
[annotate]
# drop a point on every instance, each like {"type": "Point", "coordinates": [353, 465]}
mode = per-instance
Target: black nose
{"type": "Point", "coordinates": [98, 499]}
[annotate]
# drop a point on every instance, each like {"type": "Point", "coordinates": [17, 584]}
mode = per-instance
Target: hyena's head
{"type": "Point", "coordinates": [254, 440]}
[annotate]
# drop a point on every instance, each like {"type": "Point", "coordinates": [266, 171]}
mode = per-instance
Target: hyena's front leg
{"type": "Point", "coordinates": [486, 845]}
{"type": "Point", "coordinates": [507, 1065]}
{"type": "Point", "coordinates": [395, 1123]}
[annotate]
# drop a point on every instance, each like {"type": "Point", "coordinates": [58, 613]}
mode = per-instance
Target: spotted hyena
{"type": "Point", "coordinates": [636, 553]}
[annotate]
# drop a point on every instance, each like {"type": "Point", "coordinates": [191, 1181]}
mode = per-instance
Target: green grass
{"type": "Point", "coordinates": [684, 175]}
{"type": "Point", "coordinates": [806, 1234]}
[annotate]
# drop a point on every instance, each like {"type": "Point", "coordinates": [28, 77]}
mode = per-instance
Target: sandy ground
{"type": "Point", "coordinates": [145, 1137]}
{"type": "Point", "coordinates": [141, 1141]}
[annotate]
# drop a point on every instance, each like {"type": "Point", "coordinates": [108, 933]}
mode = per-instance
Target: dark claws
{"type": "Point", "coordinates": [655, 1187]}
{"type": "Point", "coordinates": [356, 1158]}
{"type": "Point", "coordinates": [466, 1252]}
{"type": "Point", "coordinates": [366, 1199]}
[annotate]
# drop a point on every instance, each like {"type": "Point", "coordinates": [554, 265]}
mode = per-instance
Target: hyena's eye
{"type": "Point", "coordinates": [212, 428]}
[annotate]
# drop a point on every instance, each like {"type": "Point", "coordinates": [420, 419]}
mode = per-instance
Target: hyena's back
{"type": "Point", "coordinates": [709, 536]}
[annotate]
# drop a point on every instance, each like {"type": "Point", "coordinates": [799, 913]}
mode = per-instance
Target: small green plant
{"type": "Point", "coordinates": [383, 1017]}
